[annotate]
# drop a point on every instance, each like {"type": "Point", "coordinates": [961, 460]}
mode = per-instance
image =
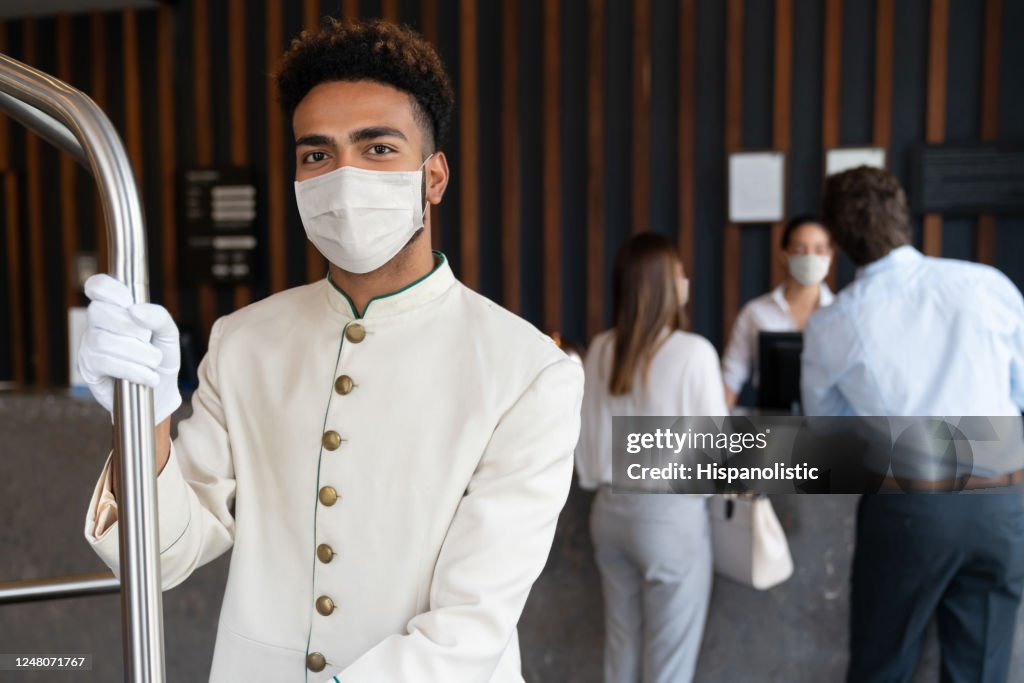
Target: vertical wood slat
{"type": "Point", "coordinates": [98, 38]}
{"type": "Point", "coordinates": [12, 217]}
{"type": "Point", "coordinates": [780, 115]}
{"type": "Point", "coordinates": [389, 10]}
{"type": "Point", "coordinates": [687, 138]}
{"type": "Point", "coordinates": [882, 127]}
{"type": "Point", "coordinates": [238, 106]}
{"type": "Point", "coordinates": [350, 9]}
{"type": "Point", "coordinates": [165, 60]}
{"type": "Point", "coordinates": [731, 255]}
{"type": "Point", "coordinates": [831, 85]}
{"type": "Point", "coordinates": [428, 24]}
{"type": "Point", "coordinates": [40, 347]}
{"type": "Point", "coordinates": [551, 170]}
{"type": "Point", "coordinates": [5, 149]}
{"type": "Point", "coordinates": [203, 129]}
{"type": "Point", "coordinates": [595, 167]}
{"type": "Point", "coordinates": [316, 264]}
{"type": "Point", "coordinates": [992, 42]}
{"type": "Point", "coordinates": [68, 209]}
{"type": "Point", "coordinates": [13, 242]}
{"type": "Point", "coordinates": [511, 265]}
{"type": "Point", "coordinates": [641, 115]}
{"type": "Point", "coordinates": [276, 217]}
{"type": "Point", "coordinates": [132, 104]}
{"type": "Point", "coordinates": [469, 136]}
{"type": "Point", "coordinates": [935, 109]}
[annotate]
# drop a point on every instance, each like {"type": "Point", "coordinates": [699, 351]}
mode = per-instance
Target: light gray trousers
{"type": "Point", "coordinates": [654, 555]}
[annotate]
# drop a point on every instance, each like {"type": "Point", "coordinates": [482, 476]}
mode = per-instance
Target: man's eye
{"type": "Point", "coordinates": [380, 149]}
{"type": "Point", "coordinates": [316, 156]}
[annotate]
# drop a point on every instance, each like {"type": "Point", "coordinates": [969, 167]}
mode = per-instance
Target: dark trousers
{"type": "Point", "coordinates": [955, 557]}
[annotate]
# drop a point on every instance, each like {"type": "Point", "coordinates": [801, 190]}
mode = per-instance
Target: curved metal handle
{"type": "Point", "coordinates": [69, 119]}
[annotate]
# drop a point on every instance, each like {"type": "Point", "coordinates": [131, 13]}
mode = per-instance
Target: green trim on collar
{"type": "Point", "coordinates": [441, 259]}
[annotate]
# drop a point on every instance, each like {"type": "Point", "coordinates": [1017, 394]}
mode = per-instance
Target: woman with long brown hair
{"type": "Point", "coordinates": [653, 550]}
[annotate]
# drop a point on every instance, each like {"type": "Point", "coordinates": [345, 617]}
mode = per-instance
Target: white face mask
{"type": "Point", "coordinates": [809, 269]}
{"type": "Point", "coordinates": [359, 219]}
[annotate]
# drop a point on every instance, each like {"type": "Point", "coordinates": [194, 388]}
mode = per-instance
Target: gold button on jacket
{"type": "Point", "coordinates": [324, 605]}
{"type": "Point", "coordinates": [331, 440]}
{"type": "Point", "coordinates": [325, 553]}
{"type": "Point", "coordinates": [355, 333]}
{"type": "Point", "coordinates": [328, 496]}
{"type": "Point", "coordinates": [315, 662]}
{"type": "Point", "coordinates": [343, 384]}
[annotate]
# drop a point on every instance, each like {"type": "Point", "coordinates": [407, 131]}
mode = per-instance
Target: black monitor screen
{"type": "Point", "coordinates": [779, 387]}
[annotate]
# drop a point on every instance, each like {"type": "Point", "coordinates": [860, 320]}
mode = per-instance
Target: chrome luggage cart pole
{"type": "Point", "coordinates": [70, 120]}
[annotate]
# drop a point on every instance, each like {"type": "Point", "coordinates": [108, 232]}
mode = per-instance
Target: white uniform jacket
{"type": "Point", "coordinates": [390, 483]}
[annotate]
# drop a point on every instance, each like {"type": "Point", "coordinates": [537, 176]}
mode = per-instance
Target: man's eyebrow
{"type": "Point", "coordinates": [374, 132]}
{"type": "Point", "coordinates": [315, 140]}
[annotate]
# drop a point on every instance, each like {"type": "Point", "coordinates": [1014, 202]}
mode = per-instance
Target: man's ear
{"type": "Point", "coordinates": [435, 174]}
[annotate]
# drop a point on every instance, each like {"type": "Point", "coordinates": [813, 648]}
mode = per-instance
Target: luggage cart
{"type": "Point", "coordinates": [69, 119]}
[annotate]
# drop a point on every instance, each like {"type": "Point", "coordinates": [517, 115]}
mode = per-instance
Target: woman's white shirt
{"type": "Point", "coordinates": [684, 379]}
{"type": "Point", "coordinates": [767, 313]}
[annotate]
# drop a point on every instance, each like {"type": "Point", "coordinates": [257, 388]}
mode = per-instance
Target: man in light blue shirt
{"type": "Point", "coordinates": [919, 336]}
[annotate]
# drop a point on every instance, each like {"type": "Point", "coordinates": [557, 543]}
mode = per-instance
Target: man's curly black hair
{"type": "Point", "coordinates": [371, 50]}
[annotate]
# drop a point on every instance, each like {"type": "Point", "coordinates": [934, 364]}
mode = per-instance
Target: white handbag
{"type": "Point", "coordinates": [750, 546]}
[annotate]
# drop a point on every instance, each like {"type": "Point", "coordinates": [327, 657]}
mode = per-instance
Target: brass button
{"type": "Point", "coordinates": [331, 440]}
{"type": "Point", "coordinates": [355, 333]}
{"type": "Point", "coordinates": [315, 662]}
{"type": "Point", "coordinates": [324, 553]}
{"type": "Point", "coordinates": [343, 384]}
{"type": "Point", "coordinates": [328, 496]}
{"type": "Point", "coordinates": [324, 605]}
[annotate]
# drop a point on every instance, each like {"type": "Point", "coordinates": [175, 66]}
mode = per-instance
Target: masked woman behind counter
{"type": "Point", "coordinates": [653, 550]}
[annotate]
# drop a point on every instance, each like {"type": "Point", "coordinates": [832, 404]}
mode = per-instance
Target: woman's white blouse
{"type": "Point", "coordinates": [684, 379]}
{"type": "Point", "coordinates": [767, 313]}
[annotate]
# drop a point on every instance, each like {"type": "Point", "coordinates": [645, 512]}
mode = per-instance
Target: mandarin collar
{"type": "Point", "coordinates": [412, 296]}
{"type": "Point", "coordinates": [779, 296]}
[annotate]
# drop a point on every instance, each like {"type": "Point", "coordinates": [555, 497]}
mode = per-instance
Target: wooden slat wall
{"type": "Point", "coordinates": [68, 212]}
{"type": "Point", "coordinates": [595, 167]}
{"type": "Point", "coordinates": [12, 243]}
{"type": "Point", "coordinates": [203, 122]}
{"type": "Point", "coordinates": [98, 36]}
{"type": "Point", "coordinates": [781, 107]}
{"type": "Point", "coordinates": [185, 104]}
{"type": "Point", "coordinates": [687, 138]}
{"type": "Point", "coordinates": [41, 284]}
{"type": "Point", "coordinates": [731, 242]}
{"type": "Point", "coordinates": [276, 181]}
{"type": "Point", "coordinates": [168, 138]}
{"type": "Point", "coordinates": [551, 173]}
{"type": "Point", "coordinates": [992, 44]}
{"type": "Point", "coordinates": [935, 112]}
{"type": "Point", "coordinates": [469, 135]}
{"type": "Point", "coordinates": [641, 115]}
{"type": "Point", "coordinates": [237, 106]}
{"type": "Point", "coordinates": [511, 167]}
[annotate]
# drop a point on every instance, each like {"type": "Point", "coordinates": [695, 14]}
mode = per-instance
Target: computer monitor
{"type": "Point", "coordinates": [779, 387]}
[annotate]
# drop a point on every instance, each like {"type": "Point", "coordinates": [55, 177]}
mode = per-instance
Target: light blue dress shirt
{"type": "Point", "coordinates": [914, 336]}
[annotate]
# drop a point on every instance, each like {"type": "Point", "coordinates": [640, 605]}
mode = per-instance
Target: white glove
{"type": "Point", "coordinates": [136, 342]}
